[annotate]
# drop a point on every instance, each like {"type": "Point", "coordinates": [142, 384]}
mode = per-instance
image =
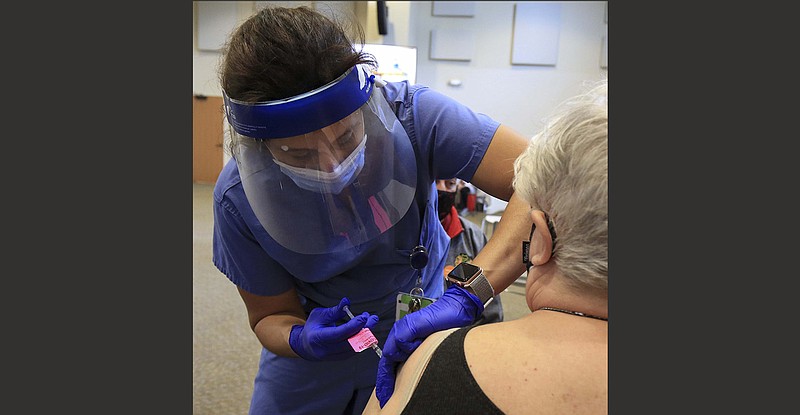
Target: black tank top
{"type": "Point", "coordinates": [447, 386]}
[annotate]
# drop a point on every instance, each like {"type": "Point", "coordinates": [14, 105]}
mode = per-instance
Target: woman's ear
{"type": "Point", "coordinates": [542, 242]}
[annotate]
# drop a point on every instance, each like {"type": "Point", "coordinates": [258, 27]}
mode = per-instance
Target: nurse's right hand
{"type": "Point", "coordinates": [321, 339]}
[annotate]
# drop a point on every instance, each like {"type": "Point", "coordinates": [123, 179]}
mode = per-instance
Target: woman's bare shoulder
{"type": "Point", "coordinates": [408, 375]}
{"type": "Point", "coordinates": [560, 364]}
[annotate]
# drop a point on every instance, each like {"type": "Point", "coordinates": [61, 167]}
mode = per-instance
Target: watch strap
{"type": "Point", "coordinates": [482, 288]}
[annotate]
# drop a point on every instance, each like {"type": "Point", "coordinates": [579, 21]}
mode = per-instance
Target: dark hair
{"type": "Point", "coordinates": [281, 52]}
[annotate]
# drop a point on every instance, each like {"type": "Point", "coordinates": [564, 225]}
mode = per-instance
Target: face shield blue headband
{"type": "Point", "coordinates": [303, 113]}
{"type": "Point", "coordinates": [326, 170]}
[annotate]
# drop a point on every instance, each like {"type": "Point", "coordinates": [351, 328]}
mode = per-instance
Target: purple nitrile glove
{"type": "Point", "coordinates": [457, 307]}
{"type": "Point", "coordinates": [321, 339]}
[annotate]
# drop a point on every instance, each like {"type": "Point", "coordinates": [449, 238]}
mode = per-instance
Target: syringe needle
{"type": "Point", "coordinates": [378, 350]}
{"type": "Point", "coordinates": [374, 346]}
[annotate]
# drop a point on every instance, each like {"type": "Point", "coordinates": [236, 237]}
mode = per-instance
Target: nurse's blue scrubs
{"type": "Point", "coordinates": [449, 140]}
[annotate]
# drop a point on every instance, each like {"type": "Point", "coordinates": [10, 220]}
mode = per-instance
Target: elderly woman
{"type": "Point", "coordinates": [555, 359]}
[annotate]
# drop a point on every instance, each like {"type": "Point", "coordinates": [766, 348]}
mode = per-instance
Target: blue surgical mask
{"type": "Point", "coordinates": [328, 182]}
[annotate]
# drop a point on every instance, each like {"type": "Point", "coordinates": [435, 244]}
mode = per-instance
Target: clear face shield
{"type": "Point", "coordinates": [327, 170]}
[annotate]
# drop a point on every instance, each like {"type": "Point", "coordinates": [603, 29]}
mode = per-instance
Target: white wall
{"type": "Point", "coordinates": [516, 95]}
{"type": "Point", "coordinates": [205, 80]}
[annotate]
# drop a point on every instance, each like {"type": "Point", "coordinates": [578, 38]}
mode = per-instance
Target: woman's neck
{"type": "Point", "coordinates": [546, 288]}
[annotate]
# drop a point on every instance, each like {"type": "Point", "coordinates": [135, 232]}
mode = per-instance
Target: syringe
{"type": "Point", "coordinates": [374, 346]}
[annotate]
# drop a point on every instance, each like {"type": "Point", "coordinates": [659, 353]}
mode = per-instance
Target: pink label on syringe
{"type": "Point", "coordinates": [362, 340]}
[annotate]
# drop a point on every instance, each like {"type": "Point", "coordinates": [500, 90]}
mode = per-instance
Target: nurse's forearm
{"type": "Point", "coordinates": [501, 258]}
{"type": "Point", "coordinates": [273, 333]}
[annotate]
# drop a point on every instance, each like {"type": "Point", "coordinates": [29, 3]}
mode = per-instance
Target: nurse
{"type": "Point", "coordinates": [329, 200]}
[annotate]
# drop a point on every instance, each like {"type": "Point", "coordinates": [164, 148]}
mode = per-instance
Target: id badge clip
{"type": "Point", "coordinates": [415, 300]}
{"type": "Point", "coordinates": [411, 302]}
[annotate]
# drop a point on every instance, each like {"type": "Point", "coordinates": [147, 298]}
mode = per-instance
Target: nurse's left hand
{"type": "Point", "coordinates": [457, 307]}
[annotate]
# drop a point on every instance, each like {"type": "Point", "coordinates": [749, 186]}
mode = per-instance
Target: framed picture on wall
{"type": "Point", "coordinates": [537, 27]}
{"type": "Point", "coordinates": [453, 8]}
{"type": "Point", "coordinates": [604, 53]}
{"type": "Point", "coordinates": [215, 19]}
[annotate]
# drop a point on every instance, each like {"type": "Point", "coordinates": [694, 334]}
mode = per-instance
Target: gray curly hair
{"type": "Point", "coordinates": [564, 172]}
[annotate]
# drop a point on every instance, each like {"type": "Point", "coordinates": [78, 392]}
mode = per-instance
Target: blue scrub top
{"type": "Point", "coordinates": [449, 140]}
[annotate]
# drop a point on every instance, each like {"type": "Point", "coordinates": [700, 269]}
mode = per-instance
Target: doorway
{"type": "Point", "coordinates": [207, 137]}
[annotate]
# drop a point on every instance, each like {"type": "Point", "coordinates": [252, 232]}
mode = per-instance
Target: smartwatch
{"type": "Point", "coordinates": [471, 276]}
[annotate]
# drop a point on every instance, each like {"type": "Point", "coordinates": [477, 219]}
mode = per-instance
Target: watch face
{"type": "Point", "coordinates": [464, 272]}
